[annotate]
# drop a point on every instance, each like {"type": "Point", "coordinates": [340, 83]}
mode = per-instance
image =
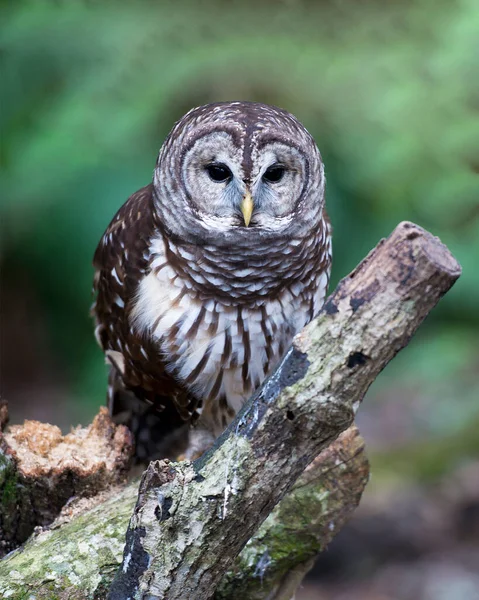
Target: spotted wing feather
{"type": "Point", "coordinates": [138, 370]}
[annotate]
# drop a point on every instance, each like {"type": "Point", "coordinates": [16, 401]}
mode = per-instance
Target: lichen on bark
{"type": "Point", "coordinates": [79, 558]}
{"type": "Point", "coordinates": [189, 530]}
{"type": "Point", "coordinates": [372, 314]}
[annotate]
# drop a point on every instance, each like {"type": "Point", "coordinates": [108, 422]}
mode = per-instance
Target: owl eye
{"type": "Point", "coordinates": [218, 172]}
{"type": "Point", "coordinates": [273, 174]}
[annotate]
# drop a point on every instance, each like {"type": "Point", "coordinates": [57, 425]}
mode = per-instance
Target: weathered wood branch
{"type": "Point", "coordinates": [191, 521]}
{"type": "Point", "coordinates": [77, 558]}
{"type": "Point", "coordinates": [274, 561]}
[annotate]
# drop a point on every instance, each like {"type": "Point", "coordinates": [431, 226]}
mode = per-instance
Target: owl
{"type": "Point", "coordinates": [205, 275]}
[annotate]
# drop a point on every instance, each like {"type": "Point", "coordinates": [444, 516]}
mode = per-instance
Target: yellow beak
{"type": "Point", "coordinates": [246, 207]}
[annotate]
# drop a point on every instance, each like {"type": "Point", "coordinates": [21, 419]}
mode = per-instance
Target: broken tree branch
{"type": "Point", "coordinates": [78, 556]}
{"type": "Point", "coordinates": [191, 521]}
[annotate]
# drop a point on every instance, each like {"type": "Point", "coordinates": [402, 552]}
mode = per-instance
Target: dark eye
{"type": "Point", "coordinates": [274, 173]}
{"type": "Point", "coordinates": [218, 172]}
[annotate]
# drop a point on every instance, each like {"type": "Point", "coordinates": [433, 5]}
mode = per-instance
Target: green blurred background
{"type": "Point", "coordinates": [390, 92]}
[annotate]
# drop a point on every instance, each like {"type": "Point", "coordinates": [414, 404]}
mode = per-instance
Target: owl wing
{"type": "Point", "coordinates": [138, 368]}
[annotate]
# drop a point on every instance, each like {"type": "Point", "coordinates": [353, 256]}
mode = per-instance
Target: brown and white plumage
{"type": "Point", "coordinates": [204, 276]}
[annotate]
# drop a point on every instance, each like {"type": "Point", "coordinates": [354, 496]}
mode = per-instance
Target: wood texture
{"type": "Point", "coordinates": [41, 470]}
{"type": "Point", "coordinates": [78, 557]}
{"type": "Point", "coordinates": [192, 520]}
{"type": "Point", "coordinates": [188, 535]}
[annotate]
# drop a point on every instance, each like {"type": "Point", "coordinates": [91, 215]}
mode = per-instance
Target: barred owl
{"type": "Point", "coordinates": [204, 276]}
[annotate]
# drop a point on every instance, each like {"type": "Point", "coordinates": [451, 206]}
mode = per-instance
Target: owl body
{"type": "Point", "coordinates": [205, 276]}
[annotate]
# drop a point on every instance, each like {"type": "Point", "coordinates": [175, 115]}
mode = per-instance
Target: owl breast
{"type": "Point", "coordinates": [221, 349]}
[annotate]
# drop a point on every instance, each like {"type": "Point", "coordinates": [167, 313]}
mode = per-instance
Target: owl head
{"type": "Point", "coordinates": [232, 171]}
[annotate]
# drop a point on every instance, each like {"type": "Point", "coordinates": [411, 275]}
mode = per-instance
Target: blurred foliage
{"type": "Point", "coordinates": [389, 91]}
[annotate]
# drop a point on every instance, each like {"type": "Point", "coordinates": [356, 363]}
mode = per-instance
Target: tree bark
{"type": "Point", "coordinates": [191, 520]}
{"type": "Point", "coordinates": [77, 558]}
{"type": "Point", "coordinates": [275, 560]}
{"type": "Point", "coordinates": [188, 534]}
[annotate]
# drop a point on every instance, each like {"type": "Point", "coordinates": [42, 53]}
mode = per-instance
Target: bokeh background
{"type": "Point", "coordinates": [390, 91]}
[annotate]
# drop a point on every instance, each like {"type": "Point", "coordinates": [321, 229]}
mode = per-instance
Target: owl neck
{"type": "Point", "coordinates": [247, 272]}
